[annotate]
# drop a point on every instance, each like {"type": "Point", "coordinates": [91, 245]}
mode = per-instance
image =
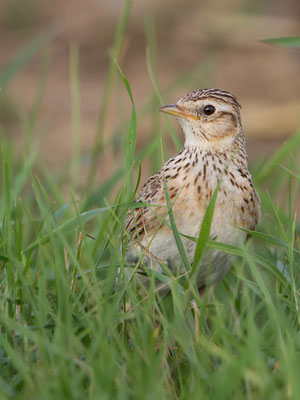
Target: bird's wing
{"type": "Point", "coordinates": [145, 220]}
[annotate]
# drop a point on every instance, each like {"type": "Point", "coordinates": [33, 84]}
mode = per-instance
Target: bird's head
{"type": "Point", "coordinates": [207, 117]}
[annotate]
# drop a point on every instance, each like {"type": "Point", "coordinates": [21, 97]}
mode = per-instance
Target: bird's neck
{"type": "Point", "coordinates": [233, 147]}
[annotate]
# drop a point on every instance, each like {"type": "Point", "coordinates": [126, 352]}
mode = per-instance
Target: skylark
{"type": "Point", "coordinates": [214, 151]}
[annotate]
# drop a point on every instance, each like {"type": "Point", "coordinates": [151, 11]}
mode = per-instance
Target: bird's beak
{"type": "Point", "coordinates": [177, 111]}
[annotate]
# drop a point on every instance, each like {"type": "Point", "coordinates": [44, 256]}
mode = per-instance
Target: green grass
{"type": "Point", "coordinates": [68, 333]}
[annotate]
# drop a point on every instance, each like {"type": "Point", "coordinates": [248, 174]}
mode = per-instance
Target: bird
{"type": "Point", "coordinates": [214, 153]}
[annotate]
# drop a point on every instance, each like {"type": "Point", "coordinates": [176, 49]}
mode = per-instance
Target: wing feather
{"type": "Point", "coordinates": [143, 220]}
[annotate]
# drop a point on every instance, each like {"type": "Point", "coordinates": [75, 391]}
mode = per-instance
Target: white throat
{"type": "Point", "coordinates": [194, 138]}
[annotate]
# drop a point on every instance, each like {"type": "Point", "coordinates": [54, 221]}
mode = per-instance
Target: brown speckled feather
{"type": "Point", "coordinates": [142, 220]}
{"type": "Point", "coordinates": [214, 151]}
{"type": "Point", "coordinates": [145, 220]}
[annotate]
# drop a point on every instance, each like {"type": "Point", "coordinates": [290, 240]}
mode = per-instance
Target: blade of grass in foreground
{"type": "Point", "coordinates": [131, 138]}
{"type": "Point", "coordinates": [24, 55]}
{"type": "Point", "coordinates": [155, 87]}
{"type": "Point", "coordinates": [267, 238]}
{"type": "Point", "coordinates": [75, 112]}
{"type": "Point", "coordinates": [291, 173]}
{"type": "Point", "coordinates": [97, 197]}
{"type": "Point", "coordinates": [118, 41]}
{"type": "Point", "coordinates": [289, 41]}
{"type": "Point", "coordinates": [3, 258]}
{"type": "Point", "coordinates": [241, 251]}
{"type": "Point", "coordinates": [277, 158]}
{"type": "Point", "coordinates": [85, 217]}
{"type": "Point", "coordinates": [204, 234]}
{"type": "Point", "coordinates": [176, 234]}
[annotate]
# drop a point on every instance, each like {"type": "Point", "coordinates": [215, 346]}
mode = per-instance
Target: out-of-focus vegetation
{"type": "Point", "coordinates": [68, 330]}
{"type": "Point", "coordinates": [202, 44]}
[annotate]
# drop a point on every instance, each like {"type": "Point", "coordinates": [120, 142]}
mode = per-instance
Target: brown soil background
{"type": "Point", "coordinates": [221, 37]}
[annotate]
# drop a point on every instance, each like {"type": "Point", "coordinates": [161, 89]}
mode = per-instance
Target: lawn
{"type": "Point", "coordinates": [71, 329]}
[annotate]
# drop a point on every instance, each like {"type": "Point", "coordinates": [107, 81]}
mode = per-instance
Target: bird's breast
{"type": "Point", "coordinates": [237, 203]}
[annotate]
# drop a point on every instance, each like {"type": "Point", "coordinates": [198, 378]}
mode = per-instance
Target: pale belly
{"type": "Point", "coordinates": [215, 264]}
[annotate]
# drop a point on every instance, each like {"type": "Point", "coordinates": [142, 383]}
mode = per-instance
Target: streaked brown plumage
{"type": "Point", "coordinates": [214, 149]}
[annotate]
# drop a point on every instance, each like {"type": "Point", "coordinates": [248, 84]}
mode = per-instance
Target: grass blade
{"type": "Point", "coordinates": [83, 218]}
{"type": "Point", "coordinates": [155, 87]}
{"type": "Point", "coordinates": [267, 238]}
{"type": "Point", "coordinates": [237, 251]}
{"type": "Point", "coordinates": [289, 41]}
{"type": "Point", "coordinates": [176, 234]}
{"type": "Point", "coordinates": [204, 233]}
{"type": "Point", "coordinates": [118, 41]}
{"type": "Point", "coordinates": [75, 112]}
{"type": "Point", "coordinates": [277, 158]}
{"type": "Point", "coordinates": [131, 138]}
{"type": "Point", "coordinates": [24, 55]}
{"type": "Point", "coordinates": [291, 173]}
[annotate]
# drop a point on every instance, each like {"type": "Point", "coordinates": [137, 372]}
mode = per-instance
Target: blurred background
{"type": "Point", "coordinates": [192, 44]}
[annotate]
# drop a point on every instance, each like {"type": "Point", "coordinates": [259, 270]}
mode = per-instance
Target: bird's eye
{"type": "Point", "coordinates": [209, 110]}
